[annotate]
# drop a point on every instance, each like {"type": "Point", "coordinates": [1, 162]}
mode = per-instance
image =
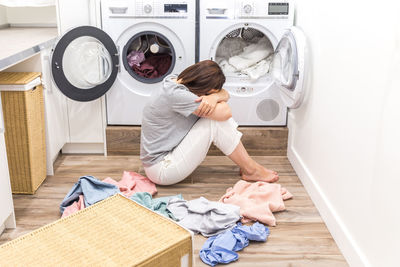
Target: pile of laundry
{"type": "Point", "coordinates": [251, 58]}
{"type": "Point", "coordinates": [151, 66]}
{"type": "Point", "coordinates": [89, 190]}
{"type": "Point", "coordinates": [220, 221]}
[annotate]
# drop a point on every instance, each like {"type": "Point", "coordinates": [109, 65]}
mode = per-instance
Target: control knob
{"type": "Point", "coordinates": [147, 8]}
{"type": "Point", "coordinates": [247, 9]}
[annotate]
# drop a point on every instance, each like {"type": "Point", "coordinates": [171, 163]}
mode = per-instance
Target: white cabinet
{"type": "Point", "coordinates": [7, 218]}
{"type": "Point", "coordinates": [73, 13]}
{"type": "Point", "coordinates": [86, 120]}
{"type": "Point", "coordinates": [55, 103]}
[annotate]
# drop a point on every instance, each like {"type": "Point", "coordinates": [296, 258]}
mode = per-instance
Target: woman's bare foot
{"type": "Point", "coordinates": [260, 174]}
{"type": "Point", "coordinates": [250, 170]}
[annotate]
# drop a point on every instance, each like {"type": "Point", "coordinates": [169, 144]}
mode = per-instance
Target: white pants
{"type": "Point", "coordinates": [192, 150]}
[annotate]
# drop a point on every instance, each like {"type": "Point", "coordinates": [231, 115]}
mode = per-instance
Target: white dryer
{"type": "Point", "coordinates": [262, 83]}
{"type": "Point", "coordinates": [141, 41]}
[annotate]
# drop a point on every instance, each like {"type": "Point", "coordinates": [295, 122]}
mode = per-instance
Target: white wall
{"type": "Point", "coordinates": [3, 15]}
{"type": "Point", "coordinates": [42, 16]}
{"type": "Point", "coordinates": [344, 140]}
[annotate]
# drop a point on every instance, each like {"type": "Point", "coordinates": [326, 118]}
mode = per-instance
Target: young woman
{"type": "Point", "coordinates": [181, 121]}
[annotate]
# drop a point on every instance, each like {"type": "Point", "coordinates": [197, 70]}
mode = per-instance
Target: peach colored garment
{"type": "Point", "coordinates": [74, 207]}
{"type": "Point", "coordinates": [132, 182]}
{"type": "Point", "coordinates": [257, 200]}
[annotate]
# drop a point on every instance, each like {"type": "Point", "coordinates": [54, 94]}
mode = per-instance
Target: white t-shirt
{"type": "Point", "coordinates": [167, 118]}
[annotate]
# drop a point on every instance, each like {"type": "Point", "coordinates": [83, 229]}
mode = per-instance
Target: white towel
{"type": "Point", "coordinates": [226, 67]}
{"type": "Point", "coordinates": [251, 54]}
{"type": "Point", "coordinates": [258, 70]}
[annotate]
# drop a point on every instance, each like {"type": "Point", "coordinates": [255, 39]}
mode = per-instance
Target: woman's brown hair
{"type": "Point", "coordinates": [202, 77]}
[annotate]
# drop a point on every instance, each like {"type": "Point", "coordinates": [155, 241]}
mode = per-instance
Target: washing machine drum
{"type": "Point", "coordinates": [245, 51]}
{"type": "Point", "coordinates": [148, 57]}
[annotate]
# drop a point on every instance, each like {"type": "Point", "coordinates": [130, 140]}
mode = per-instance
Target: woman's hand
{"type": "Point", "coordinates": [207, 105]}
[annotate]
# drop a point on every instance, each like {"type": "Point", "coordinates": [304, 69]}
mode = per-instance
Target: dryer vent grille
{"type": "Point", "coordinates": [267, 110]}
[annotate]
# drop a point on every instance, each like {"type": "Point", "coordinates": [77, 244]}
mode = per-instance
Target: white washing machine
{"type": "Point", "coordinates": [141, 41]}
{"type": "Point", "coordinates": [234, 34]}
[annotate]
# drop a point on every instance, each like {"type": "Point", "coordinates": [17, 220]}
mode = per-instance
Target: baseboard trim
{"type": "Point", "coordinates": [10, 222]}
{"type": "Point", "coordinates": [347, 245]}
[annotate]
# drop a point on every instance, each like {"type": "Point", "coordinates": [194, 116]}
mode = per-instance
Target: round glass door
{"type": "Point", "coordinates": [288, 67]}
{"type": "Point", "coordinates": [85, 63]}
{"type": "Point", "coordinates": [149, 56]}
{"type": "Point", "coordinates": [284, 65]}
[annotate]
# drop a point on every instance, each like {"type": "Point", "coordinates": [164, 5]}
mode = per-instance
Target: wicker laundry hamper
{"type": "Point", "coordinates": [23, 109]}
{"type": "Point", "coordinates": [114, 232]}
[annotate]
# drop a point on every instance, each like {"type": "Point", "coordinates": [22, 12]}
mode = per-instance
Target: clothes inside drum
{"type": "Point", "coordinates": [149, 56]}
{"type": "Point", "coordinates": [246, 51]}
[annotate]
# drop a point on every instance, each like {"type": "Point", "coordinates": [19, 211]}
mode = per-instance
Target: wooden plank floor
{"type": "Point", "coordinates": [300, 238]}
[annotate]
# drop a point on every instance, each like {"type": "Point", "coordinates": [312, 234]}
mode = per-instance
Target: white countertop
{"type": "Point", "coordinates": [17, 44]}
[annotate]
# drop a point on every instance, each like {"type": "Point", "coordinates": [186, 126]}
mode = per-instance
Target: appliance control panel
{"type": "Point", "coordinates": [255, 9]}
{"type": "Point", "coordinates": [263, 9]}
{"type": "Point", "coordinates": [160, 8]}
{"type": "Point", "coordinates": [176, 8]}
{"type": "Point", "coordinates": [149, 8]}
{"type": "Point", "coordinates": [278, 8]}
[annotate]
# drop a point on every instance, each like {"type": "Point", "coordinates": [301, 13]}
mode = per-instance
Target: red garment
{"type": "Point", "coordinates": [74, 207]}
{"type": "Point", "coordinates": [257, 200]}
{"type": "Point", "coordinates": [154, 66]}
{"type": "Point", "coordinates": [130, 183]}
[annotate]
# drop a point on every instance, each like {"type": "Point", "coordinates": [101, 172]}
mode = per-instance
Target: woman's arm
{"type": "Point", "coordinates": [222, 95]}
{"type": "Point", "coordinates": [209, 102]}
{"type": "Point", "coordinates": [221, 112]}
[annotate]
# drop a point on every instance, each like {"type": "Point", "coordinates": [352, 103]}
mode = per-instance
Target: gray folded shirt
{"type": "Point", "coordinates": [203, 216]}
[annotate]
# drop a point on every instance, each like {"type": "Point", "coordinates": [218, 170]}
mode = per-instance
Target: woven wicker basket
{"type": "Point", "coordinates": [114, 232]}
{"type": "Point", "coordinates": [24, 132]}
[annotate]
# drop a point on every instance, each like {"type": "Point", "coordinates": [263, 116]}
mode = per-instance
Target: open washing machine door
{"type": "Point", "coordinates": [288, 66]}
{"type": "Point", "coordinates": [84, 63]}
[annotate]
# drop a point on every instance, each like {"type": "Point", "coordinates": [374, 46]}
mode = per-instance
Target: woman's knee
{"type": "Point", "coordinates": [203, 121]}
{"type": "Point", "coordinates": [228, 123]}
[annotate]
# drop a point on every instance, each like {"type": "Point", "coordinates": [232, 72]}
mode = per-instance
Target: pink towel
{"type": "Point", "coordinates": [74, 207]}
{"type": "Point", "coordinates": [132, 182]}
{"type": "Point", "coordinates": [257, 200]}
